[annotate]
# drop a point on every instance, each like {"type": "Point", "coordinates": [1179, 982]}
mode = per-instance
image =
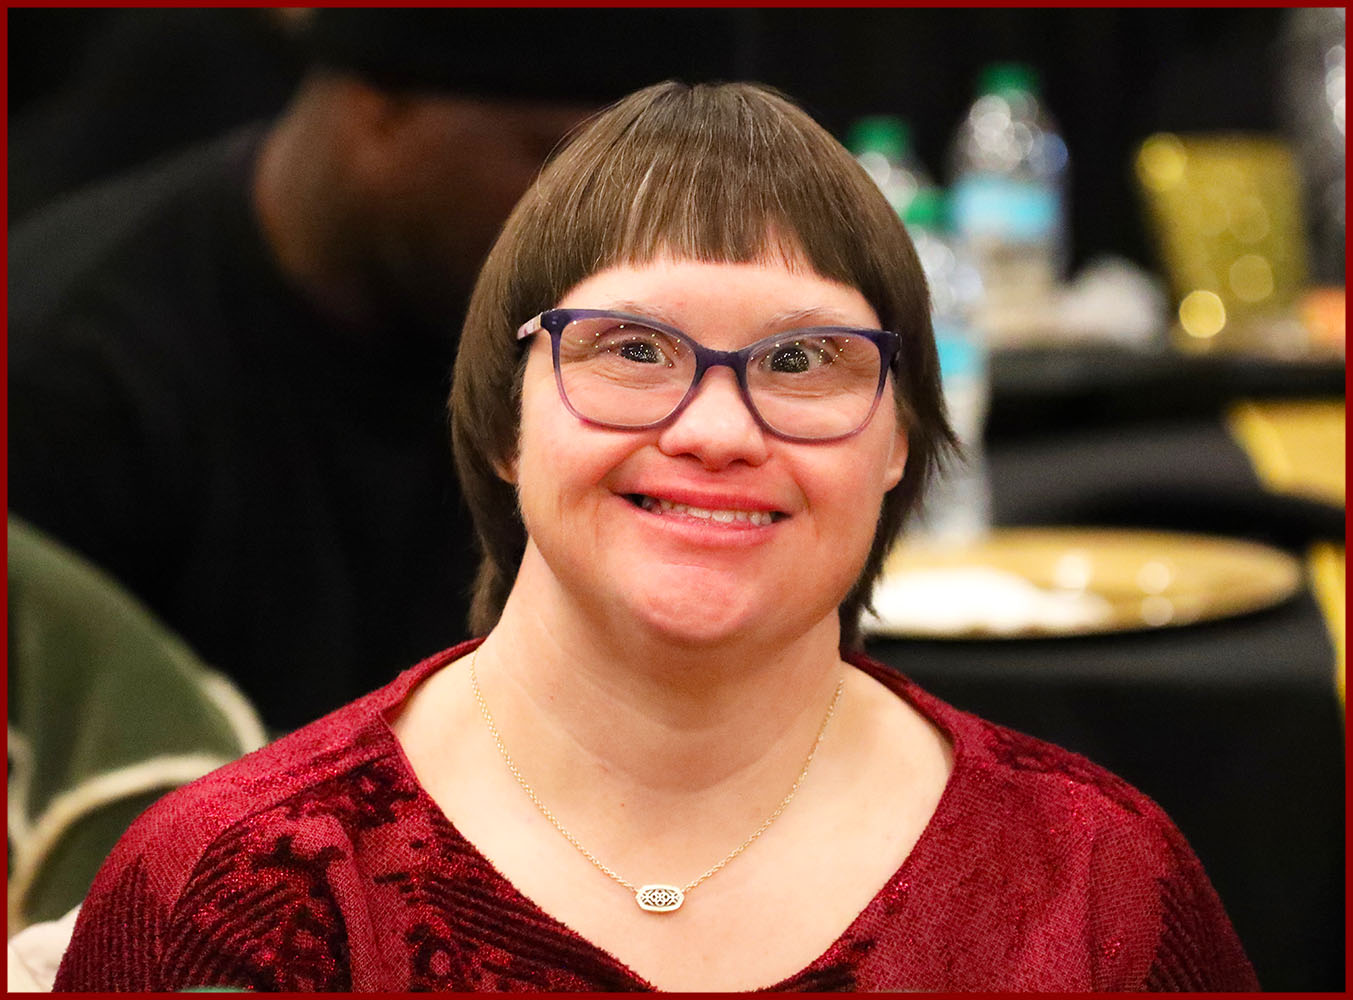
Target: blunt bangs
{"type": "Point", "coordinates": [719, 174]}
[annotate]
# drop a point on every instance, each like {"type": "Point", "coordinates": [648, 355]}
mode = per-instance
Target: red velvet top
{"type": "Point", "coordinates": [319, 863]}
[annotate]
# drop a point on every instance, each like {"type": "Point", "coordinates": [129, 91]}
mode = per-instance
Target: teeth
{"type": "Point", "coordinates": [760, 518]}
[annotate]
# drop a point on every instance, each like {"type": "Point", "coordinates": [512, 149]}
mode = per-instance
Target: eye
{"type": "Point", "coordinates": [797, 357]}
{"type": "Point", "coordinates": [637, 344]}
{"type": "Point", "coordinates": [641, 351]}
{"type": "Point", "coordinates": [790, 358]}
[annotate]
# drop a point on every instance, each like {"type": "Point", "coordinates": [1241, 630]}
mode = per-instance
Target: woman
{"type": "Point", "coordinates": [696, 395]}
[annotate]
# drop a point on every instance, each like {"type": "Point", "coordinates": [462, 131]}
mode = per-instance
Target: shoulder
{"type": "Point", "coordinates": [1037, 780]}
{"type": "Point", "coordinates": [258, 865]}
{"type": "Point", "coordinates": [314, 771]}
{"type": "Point", "coordinates": [323, 778]}
{"type": "Point", "coordinates": [125, 230]}
{"type": "Point", "coordinates": [122, 342]}
{"type": "Point", "coordinates": [1142, 897]}
{"type": "Point", "coordinates": [1028, 828]}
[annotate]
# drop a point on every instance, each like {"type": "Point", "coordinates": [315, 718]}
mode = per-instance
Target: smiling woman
{"type": "Point", "coordinates": [696, 396]}
{"type": "Point", "coordinates": [728, 175]}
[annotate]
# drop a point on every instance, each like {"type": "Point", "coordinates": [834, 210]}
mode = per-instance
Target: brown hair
{"type": "Point", "coordinates": [713, 172]}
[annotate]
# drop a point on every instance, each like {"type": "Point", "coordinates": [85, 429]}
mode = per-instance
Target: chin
{"type": "Point", "coordinates": [687, 618]}
{"type": "Point", "coordinates": [707, 617]}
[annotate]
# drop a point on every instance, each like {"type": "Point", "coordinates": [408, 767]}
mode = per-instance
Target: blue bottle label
{"type": "Point", "coordinates": [993, 205]}
{"type": "Point", "coordinates": [961, 355]}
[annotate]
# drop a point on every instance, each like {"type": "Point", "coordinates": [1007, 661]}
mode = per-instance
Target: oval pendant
{"type": "Point", "coordinates": [659, 898]}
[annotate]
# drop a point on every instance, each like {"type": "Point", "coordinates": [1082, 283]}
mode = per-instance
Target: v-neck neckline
{"type": "Point", "coordinates": [855, 931]}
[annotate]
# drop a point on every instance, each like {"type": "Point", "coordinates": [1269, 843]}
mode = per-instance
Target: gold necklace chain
{"type": "Point", "coordinates": [654, 897]}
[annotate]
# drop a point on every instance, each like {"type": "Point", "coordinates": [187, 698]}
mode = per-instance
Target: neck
{"type": "Point", "coordinates": [655, 716]}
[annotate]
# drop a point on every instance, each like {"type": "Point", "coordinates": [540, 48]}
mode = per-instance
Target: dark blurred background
{"type": "Point", "coordinates": [104, 88]}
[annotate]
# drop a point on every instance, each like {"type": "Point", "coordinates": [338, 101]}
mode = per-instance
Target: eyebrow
{"type": "Point", "coordinates": [813, 316]}
{"type": "Point", "coordinates": [790, 319]}
{"type": "Point", "coordinates": [643, 310]}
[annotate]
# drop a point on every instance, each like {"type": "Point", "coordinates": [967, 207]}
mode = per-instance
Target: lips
{"type": "Point", "coordinates": [739, 516]}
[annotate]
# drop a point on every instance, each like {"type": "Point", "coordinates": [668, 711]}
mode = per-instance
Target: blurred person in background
{"type": "Point", "coordinates": [228, 368]}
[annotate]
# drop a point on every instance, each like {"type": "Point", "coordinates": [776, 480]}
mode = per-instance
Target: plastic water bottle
{"type": "Point", "coordinates": [1009, 172]}
{"type": "Point", "coordinates": [882, 144]}
{"type": "Point", "coordinates": [957, 508]}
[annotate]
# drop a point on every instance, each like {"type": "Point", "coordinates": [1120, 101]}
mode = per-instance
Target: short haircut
{"type": "Point", "coordinates": [731, 173]}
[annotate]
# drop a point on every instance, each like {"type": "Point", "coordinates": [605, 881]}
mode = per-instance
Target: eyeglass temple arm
{"type": "Point", "coordinates": [531, 326]}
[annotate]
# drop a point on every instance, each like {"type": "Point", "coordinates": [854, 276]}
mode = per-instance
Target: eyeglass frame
{"type": "Point", "coordinates": [553, 322]}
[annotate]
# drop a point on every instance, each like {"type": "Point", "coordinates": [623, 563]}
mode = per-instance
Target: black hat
{"type": "Point", "coordinates": [562, 54]}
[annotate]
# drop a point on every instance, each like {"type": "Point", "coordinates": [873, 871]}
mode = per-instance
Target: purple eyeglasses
{"type": "Point", "coordinates": [626, 372]}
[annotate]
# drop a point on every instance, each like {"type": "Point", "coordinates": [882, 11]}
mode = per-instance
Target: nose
{"type": "Point", "coordinates": [716, 427]}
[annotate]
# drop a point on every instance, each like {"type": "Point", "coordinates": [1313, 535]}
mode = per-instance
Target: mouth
{"type": "Point", "coordinates": [666, 508]}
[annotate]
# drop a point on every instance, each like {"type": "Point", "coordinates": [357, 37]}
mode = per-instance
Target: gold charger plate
{"type": "Point", "coordinates": [1032, 582]}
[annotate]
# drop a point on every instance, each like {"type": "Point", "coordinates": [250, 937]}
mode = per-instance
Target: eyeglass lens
{"type": "Point", "coordinates": [807, 384]}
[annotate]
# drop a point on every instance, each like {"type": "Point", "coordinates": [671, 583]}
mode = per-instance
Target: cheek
{"type": "Point", "coordinates": [530, 466]}
{"type": "Point", "coordinates": [848, 489]}
{"type": "Point", "coordinates": [560, 461]}
{"type": "Point", "coordinates": [538, 440]}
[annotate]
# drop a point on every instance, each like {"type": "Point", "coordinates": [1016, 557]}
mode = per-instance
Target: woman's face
{"type": "Point", "coordinates": [812, 507]}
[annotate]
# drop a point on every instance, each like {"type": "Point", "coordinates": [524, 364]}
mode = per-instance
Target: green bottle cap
{"type": "Point", "coordinates": [928, 209]}
{"type": "Point", "coordinates": [1005, 78]}
{"type": "Point", "coordinates": [886, 134]}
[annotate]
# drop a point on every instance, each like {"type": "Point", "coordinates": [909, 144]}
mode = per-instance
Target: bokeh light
{"type": "Point", "coordinates": [1202, 314]}
{"type": "Point", "coordinates": [1161, 162]}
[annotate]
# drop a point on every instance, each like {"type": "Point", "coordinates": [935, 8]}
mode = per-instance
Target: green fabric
{"type": "Point", "coordinates": [66, 873]}
{"type": "Point", "coordinates": [96, 684]}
